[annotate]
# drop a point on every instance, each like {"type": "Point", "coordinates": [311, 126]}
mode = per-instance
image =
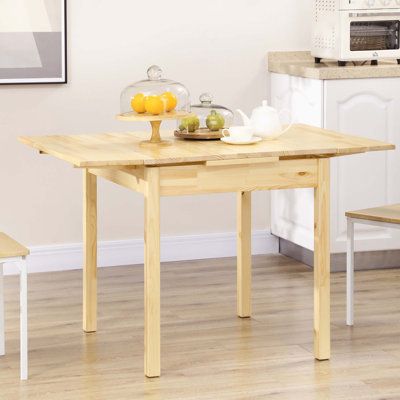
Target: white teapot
{"type": "Point", "coordinates": [265, 121]}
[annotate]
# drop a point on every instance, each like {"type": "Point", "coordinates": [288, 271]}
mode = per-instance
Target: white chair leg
{"type": "Point", "coordinates": [23, 320]}
{"type": "Point", "coordinates": [350, 273]}
{"type": "Point", "coordinates": [2, 335]}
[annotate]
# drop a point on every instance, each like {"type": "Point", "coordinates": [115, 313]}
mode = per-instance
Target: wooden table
{"type": "Point", "coordinates": [299, 159]}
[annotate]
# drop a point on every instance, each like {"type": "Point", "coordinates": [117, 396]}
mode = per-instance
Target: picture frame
{"type": "Point", "coordinates": [33, 42]}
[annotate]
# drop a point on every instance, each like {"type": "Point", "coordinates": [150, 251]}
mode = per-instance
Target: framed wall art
{"type": "Point", "coordinates": [33, 41]}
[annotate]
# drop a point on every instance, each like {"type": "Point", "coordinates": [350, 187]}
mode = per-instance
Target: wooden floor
{"type": "Point", "coordinates": [207, 352]}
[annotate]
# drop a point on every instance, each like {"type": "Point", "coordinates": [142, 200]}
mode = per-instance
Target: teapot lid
{"type": "Point", "coordinates": [264, 108]}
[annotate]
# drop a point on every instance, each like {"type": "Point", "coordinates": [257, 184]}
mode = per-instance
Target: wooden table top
{"type": "Point", "coordinates": [124, 149]}
{"type": "Point", "coordinates": [390, 214]}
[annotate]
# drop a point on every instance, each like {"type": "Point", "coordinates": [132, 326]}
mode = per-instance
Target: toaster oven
{"type": "Point", "coordinates": [356, 30]}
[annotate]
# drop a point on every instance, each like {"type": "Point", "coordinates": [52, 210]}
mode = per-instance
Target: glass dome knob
{"type": "Point", "coordinates": [154, 72]}
{"type": "Point", "coordinates": [206, 98]}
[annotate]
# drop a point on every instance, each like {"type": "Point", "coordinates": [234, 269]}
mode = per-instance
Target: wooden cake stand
{"type": "Point", "coordinates": [155, 121]}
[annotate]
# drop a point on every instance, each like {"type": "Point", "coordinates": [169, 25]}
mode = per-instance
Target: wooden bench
{"type": "Point", "coordinates": [387, 216]}
{"type": "Point", "coordinates": [13, 252]}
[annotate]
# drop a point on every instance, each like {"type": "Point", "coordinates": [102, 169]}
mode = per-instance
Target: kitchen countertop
{"type": "Point", "coordinates": [301, 63]}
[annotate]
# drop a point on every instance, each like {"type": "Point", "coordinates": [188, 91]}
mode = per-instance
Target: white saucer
{"type": "Point", "coordinates": [254, 139]}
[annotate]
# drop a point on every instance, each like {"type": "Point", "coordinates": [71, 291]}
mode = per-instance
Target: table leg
{"type": "Point", "coordinates": [322, 262]}
{"type": "Point", "coordinates": [23, 327]}
{"type": "Point", "coordinates": [90, 252]}
{"type": "Point", "coordinates": [2, 318]}
{"type": "Point", "coordinates": [152, 274]}
{"type": "Point", "coordinates": [350, 273]}
{"type": "Point", "coordinates": [244, 254]}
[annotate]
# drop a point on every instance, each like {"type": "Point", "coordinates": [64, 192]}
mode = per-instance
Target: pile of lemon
{"type": "Point", "coordinates": [154, 104]}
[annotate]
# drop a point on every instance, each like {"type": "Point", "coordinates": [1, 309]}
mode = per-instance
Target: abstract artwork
{"type": "Point", "coordinates": [33, 41]}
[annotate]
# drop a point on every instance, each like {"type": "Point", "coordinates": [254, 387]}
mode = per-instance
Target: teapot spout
{"type": "Point", "coordinates": [246, 119]}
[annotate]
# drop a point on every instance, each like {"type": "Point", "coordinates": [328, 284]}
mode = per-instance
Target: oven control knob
{"type": "Point", "coordinates": [386, 2]}
{"type": "Point", "coordinates": [370, 3]}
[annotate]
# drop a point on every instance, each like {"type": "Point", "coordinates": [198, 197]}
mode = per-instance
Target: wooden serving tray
{"type": "Point", "coordinates": [199, 134]}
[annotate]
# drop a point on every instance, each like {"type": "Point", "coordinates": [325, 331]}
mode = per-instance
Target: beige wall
{"type": "Point", "coordinates": [217, 46]}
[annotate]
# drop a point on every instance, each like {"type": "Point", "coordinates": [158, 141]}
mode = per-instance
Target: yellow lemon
{"type": "Point", "coordinates": [154, 105]}
{"type": "Point", "coordinates": [137, 103]}
{"type": "Point", "coordinates": [170, 100]}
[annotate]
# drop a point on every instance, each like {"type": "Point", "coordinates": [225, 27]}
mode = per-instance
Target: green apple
{"type": "Point", "coordinates": [190, 124]}
{"type": "Point", "coordinates": [215, 121]}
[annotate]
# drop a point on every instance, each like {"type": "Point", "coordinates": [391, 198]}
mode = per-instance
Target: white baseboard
{"type": "Point", "coordinates": [129, 252]}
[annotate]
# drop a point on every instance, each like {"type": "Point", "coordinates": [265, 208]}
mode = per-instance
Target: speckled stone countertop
{"type": "Point", "coordinates": [301, 63]}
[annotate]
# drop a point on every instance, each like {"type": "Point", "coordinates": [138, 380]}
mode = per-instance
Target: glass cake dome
{"type": "Point", "coordinates": [206, 117]}
{"type": "Point", "coordinates": [155, 96]}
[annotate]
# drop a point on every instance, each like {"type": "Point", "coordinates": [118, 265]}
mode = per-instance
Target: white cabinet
{"type": "Point", "coordinates": [366, 107]}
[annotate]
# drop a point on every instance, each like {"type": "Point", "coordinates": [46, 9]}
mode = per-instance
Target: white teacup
{"type": "Point", "coordinates": [239, 133]}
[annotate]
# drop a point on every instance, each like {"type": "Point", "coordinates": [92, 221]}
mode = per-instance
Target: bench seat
{"type": "Point", "coordinates": [389, 214]}
{"type": "Point", "coordinates": [10, 248]}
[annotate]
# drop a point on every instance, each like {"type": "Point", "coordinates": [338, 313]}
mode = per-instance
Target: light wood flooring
{"type": "Point", "coordinates": [207, 352]}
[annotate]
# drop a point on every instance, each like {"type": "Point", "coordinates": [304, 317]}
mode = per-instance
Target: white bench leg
{"type": "Point", "coordinates": [2, 338]}
{"type": "Point", "coordinates": [350, 273]}
{"type": "Point", "coordinates": [23, 319]}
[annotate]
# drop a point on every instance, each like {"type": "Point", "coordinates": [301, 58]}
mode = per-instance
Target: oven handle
{"type": "Point", "coordinates": [366, 15]}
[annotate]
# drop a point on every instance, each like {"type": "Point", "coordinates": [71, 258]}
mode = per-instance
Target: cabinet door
{"type": "Point", "coordinates": [292, 211]}
{"type": "Point", "coordinates": [371, 108]}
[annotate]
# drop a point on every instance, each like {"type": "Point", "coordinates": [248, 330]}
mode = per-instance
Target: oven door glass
{"type": "Point", "coordinates": [374, 35]}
